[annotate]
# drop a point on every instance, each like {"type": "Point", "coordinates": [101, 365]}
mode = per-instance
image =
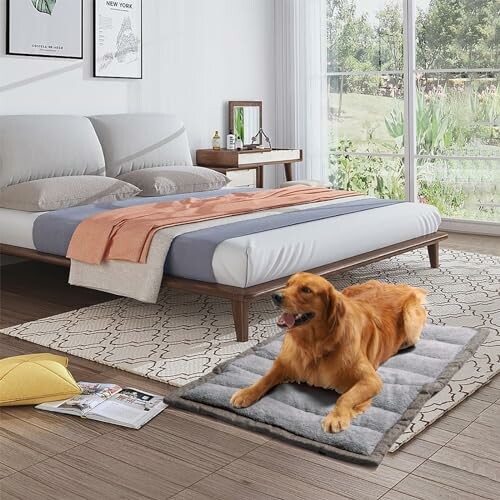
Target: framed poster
{"type": "Point", "coordinates": [118, 39]}
{"type": "Point", "coordinates": [47, 28]}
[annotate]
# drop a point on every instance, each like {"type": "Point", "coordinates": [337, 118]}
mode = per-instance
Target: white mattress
{"type": "Point", "coordinates": [258, 258]}
{"type": "Point", "coordinates": [16, 227]}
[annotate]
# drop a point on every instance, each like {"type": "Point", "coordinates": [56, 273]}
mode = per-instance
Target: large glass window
{"type": "Point", "coordinates": [365, 85]}
{"type": "Point", "coordinates": [437, 141]}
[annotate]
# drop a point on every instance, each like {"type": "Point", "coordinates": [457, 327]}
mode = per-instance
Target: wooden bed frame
{"type": "Point", "coordinates": [242, 297]}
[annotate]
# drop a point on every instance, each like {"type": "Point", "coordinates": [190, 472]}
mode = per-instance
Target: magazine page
{"type": "Point", "coordinates": [130, 407]}
{"type": "Point", "coordinates": [92, 395]}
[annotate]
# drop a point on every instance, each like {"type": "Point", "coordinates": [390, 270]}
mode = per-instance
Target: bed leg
{"type": "Point", "coordinates": [240, 315]}
{"type": "Point", "coordinates": [434, 255]}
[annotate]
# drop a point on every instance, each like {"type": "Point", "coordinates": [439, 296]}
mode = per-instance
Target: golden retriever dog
{"type": "Point", "coordinates": [337, 340]}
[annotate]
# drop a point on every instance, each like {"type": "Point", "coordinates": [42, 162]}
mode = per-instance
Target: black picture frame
{"type": "Point", "coordinates": [95, 72]}
{"type": "Point", "coordinates": [25, 54]}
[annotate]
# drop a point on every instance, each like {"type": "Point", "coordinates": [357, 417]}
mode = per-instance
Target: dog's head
{"type": "Point", "coordinates": [308, 299]}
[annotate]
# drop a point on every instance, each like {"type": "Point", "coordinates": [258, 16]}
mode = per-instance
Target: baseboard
{"type": "Point", "coordinates": [470, 227]}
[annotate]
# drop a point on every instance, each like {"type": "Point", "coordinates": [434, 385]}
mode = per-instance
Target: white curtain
{"type": "Point", "coordinates": [301, 96]}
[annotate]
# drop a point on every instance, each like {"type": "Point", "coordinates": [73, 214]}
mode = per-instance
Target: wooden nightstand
{"type": "Point", "coordinates": [227, 161]}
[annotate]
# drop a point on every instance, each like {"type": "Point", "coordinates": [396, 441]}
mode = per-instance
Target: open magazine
{"type": "Point", "coordinates": [110, 403]}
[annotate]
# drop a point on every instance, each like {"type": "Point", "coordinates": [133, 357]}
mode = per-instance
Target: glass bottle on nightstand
{"type": "Point", "coordinates": [216, 141]}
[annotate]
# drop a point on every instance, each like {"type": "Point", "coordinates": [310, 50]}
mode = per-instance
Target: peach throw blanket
{"type": "Point", "coordinates": [126, 233]}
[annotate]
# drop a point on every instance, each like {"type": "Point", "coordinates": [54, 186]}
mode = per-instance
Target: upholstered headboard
{"type": "Point", "coordinates": [40, 146]}
{"type": "Point", "coordinates": [136, 141]}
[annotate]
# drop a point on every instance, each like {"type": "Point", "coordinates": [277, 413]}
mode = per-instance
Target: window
{"type": "Point", "coordinates": [414, 102]}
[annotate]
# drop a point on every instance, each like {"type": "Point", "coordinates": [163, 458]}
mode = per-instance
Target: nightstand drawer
{"type": "Point", "coordinates": [242, 178]}
{"type": "Point", "coordinates": [262, 157]}
{"type": "Point", "coordinates": [225, 158]}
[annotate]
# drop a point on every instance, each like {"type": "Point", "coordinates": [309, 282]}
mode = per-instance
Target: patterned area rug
{"type": "Point", "coordinates": [184, 336]}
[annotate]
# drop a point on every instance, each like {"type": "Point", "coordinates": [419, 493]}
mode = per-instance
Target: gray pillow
{"type": "Point", "coordinates": [62, 192]}
{"type": "Point", "coordinates": [133, 141]}
{"type": "Point", "coordinates": [159, 181]}
{"type": "Point", "coordinates": [41, 146]}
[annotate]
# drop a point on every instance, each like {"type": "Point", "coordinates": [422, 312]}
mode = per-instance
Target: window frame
{"type": "Point", "coordinates": [409, 155]}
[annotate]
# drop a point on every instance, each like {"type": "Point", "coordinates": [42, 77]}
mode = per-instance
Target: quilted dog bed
{"type": "Point", "coordinates": [293, 412]}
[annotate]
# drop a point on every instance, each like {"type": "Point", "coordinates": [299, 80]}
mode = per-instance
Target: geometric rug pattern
{"type": "Point", "coordinates": [184, 335]}
{"type": "Point", "coordinates": [477, 371]}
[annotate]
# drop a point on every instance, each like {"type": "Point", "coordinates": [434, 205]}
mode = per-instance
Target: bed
{"type": "Point", "coordinates": [245, 267]}
{"type": "Point", "coordinates": [241, 265]}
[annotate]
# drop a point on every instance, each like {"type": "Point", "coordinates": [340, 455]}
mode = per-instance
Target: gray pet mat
{"type": "Point", "coordinates": [293, 412]}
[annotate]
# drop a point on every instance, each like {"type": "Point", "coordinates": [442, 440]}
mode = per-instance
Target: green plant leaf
{"type": "Point", "coordinates": [45, 6]}
{"type": "Point", "coordinates": [239, 122]}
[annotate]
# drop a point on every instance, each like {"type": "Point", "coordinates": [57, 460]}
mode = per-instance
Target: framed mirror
{"type": "Point", "coordinates": [245, 120]}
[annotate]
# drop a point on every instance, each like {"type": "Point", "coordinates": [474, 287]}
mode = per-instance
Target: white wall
{"type": "Point", "coordinates": [204, 53]}
{"type": "Point", "coordinates": [44, 85]}
{"type": "Point", "coordinates": [198, 54]}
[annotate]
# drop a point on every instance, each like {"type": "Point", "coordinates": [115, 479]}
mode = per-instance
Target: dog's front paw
{"type": "Point", "coordinates": [335, 422]}
{"type": "Point", "coordinates": [243, 398]}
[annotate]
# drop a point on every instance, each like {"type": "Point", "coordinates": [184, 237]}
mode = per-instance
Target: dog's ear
{"type": "Point", "coordinates": [336, 307]}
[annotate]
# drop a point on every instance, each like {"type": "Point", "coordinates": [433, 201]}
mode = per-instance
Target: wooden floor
{"type": "Point", "coordinates": [188, 457]}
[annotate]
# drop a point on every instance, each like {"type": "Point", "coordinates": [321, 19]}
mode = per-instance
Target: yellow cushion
{"type": "Point", "coordinates": [35, 378]}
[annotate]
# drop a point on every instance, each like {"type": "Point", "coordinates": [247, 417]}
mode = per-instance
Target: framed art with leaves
{"type": "Point", "coordinates": [46, 28]}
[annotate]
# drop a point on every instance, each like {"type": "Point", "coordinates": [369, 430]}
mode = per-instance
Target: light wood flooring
{"type": "Point", "coordinates": [188, 457]}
